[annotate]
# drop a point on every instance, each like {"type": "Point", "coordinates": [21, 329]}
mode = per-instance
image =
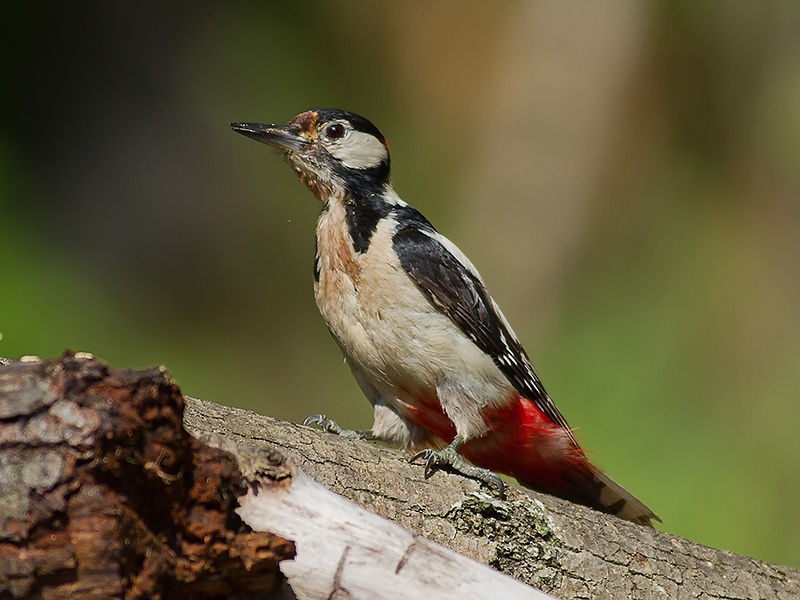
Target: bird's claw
{"type": "Point", "coordinates": [324, 423]}
{"type": "Point", "coordinates": [449, 457]}
{"type": "Point", "coordinates": [429, 456]}
{"type": "Point", "coordinates": [329, 426]}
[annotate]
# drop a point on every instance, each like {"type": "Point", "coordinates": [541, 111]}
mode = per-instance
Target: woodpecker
{"type": "Point", "coordinates": [427, 344]}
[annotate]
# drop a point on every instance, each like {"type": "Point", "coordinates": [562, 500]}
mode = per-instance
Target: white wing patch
{"type": "Point", "coordinates": [357, 150]}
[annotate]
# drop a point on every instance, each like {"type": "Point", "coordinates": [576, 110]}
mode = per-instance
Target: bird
{"type": "Point", "coordinates": [428, 346]}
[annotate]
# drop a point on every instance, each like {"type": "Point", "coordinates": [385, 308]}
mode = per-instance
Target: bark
{"type": "Point", "coordinates": [105, 495]}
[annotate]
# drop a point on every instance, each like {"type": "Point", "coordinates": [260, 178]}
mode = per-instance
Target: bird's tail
{"type": "Point", "coordinates": [598, 491]}
{"type": "Point", "coordinates": [595, 489]}
{"type": "Point", "coordinates": [616, 500]}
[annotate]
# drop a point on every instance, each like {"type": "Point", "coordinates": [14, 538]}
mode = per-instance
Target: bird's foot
{"type": "Point", "coordinates": [330, 426]}
{"type": "Point", "coordinates": [449, 457]}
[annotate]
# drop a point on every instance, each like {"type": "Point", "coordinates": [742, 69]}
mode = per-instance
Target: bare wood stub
{"type": "Point", "coordinates": [346, 551]}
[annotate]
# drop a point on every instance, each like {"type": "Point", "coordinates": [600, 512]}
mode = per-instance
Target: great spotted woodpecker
{"type": "Point", "coordinates": [424, 339]}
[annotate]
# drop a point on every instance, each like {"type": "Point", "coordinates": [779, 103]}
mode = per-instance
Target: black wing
{"type": "Point", "coordinates": [461, 295]}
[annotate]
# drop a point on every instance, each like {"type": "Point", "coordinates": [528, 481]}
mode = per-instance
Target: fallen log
{"type": "Point", "coordinates": [562, 548]}
{"type": "Point", "coordinates": [105, 494]}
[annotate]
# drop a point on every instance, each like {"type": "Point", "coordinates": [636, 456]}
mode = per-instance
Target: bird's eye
{"type": "Point", "coordinates": [335, 131]}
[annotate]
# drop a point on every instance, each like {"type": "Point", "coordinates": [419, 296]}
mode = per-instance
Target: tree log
{"type": "Point", "coordinates": [105, 495]}
{"type": "Point", "coordinates": [562, 548]}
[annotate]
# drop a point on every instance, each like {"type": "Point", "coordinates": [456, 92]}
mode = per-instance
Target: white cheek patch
{"type": "Point", "coordinates": [359, 150]}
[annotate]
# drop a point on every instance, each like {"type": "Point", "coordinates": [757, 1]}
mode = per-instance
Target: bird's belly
{"type": "Point", "coordinates": [409, 353]}
{"type": "Point", "coordinates": [412, 354]}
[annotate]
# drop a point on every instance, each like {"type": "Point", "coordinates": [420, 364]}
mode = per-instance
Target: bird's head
{"type": "Point", "coordinates": [334, 152]}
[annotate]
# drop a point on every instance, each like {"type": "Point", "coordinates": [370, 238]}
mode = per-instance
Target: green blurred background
{"type": "Point", "coordinates": [625, 175]}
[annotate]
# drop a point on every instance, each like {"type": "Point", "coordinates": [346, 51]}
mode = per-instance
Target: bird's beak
{"type": "Point", "coordinates": [279, 136]}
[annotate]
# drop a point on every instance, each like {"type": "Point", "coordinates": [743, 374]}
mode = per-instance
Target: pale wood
{"type": "Point", "coordinates": [345, 549]}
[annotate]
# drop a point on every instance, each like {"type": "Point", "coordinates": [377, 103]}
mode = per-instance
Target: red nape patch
{"type": "Point", "coordinates": [524, 443]}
